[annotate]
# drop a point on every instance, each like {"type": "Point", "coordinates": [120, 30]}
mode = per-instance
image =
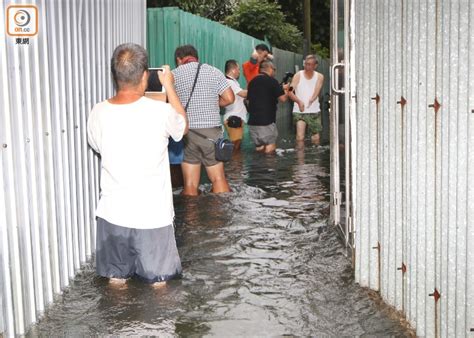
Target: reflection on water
{"type": "Point", "coordinates": [260, 260]}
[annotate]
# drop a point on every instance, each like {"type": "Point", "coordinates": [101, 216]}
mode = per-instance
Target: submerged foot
{"type": "Point", "coordinates": [159, 285]}
{"type": "Point", "coordinates": [117, 281]}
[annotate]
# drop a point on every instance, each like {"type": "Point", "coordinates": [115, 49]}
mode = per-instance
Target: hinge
{"type": "Point", "coordinates": [336, 198]}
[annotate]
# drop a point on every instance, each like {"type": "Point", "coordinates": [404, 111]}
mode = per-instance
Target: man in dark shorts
{"type": "Point", "coordinates": [135, 232]}
{"type": "Point", "coordinates": [264, 92]}
{"type": "Point", "coordinates": [211, 92]}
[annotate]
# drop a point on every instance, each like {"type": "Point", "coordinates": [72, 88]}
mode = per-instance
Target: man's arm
{"type": "Point", "coordinates": [227, 97]}
{"type": "Point", "coordinates": [292, 95]}
{"type": "Point", "coordinates": [284, 97]}
{"type": "Point", "coordinates": [93, 132]}
{"type": "Point", "coordinates": [167, 79]}
{"type": "Point", "coordinates": [243, 93]}
{"type": "Point", "coordinates": [317, 88]}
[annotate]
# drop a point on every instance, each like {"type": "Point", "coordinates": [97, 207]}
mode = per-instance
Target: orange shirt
{"type": "Point", "coordinates": [250, 70]}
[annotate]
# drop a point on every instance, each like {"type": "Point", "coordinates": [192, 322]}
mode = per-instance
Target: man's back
{"type": "Point", "coordinates": [132, 140]}
{"type": "Point", "coordinates": [251, 70]}
{"type": "Point", "coordinates": [263, 93]}
{"type": "Point", "coordinates": [203, 110]}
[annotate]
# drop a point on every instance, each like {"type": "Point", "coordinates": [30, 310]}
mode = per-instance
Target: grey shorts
{"type": "Point", "coordinates": [198, 150]}
{"type": "Point", "coordinates": [149, 254]}
{"type": "Point", "coordinates": [263, 135]}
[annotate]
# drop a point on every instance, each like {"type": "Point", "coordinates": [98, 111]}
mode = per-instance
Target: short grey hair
{"type": "Point", "coordinates": [311, 57]}
{"type": "Point", "coordinates": [266, 64]}
{"type": "Point", "coordinates": [128, 63]}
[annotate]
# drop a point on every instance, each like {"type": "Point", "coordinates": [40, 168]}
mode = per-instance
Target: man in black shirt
{"type": "Point", "coordinates": [264, 92]}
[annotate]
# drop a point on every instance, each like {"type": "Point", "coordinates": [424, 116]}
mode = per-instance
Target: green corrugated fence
{"type": "Point", "coordinates": [171, 27]}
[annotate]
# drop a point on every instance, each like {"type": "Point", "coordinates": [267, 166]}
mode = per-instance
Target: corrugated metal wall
{"type": "Point", "coordinates": [48, 175]}
{"type": "Point", "coordinates": [171, 27]}
{"type": "Point", "coordinates": [412, 170]}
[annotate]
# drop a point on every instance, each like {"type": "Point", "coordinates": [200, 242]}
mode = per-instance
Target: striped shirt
{"type": "Point", "coordinates": [203, 110]}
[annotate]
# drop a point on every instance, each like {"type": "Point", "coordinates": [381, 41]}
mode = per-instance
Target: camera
{"type": "Point", "coordinates": [154, 84]}
{"type": "Point", "coordinates": [287, 79]}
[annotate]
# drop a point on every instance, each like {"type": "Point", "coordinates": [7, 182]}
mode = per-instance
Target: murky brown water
{"type": "Point", "coordinates": [260, 261]}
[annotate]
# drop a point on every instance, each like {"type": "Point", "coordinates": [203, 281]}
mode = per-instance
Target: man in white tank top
{"type": "Point", "coordinates": [307, 86]}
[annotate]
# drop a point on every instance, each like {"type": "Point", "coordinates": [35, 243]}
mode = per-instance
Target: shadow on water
{"type": "Point", "coordinates": [260, 260]}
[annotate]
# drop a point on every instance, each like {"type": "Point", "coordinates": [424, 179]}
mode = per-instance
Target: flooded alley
{"type": "Point", "coordinates": [259, 261]}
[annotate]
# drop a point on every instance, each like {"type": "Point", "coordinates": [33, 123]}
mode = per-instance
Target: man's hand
{"type": "Point", "coordinates": [254, 55]}
{"type": "Point", "coordinates": [301, 105]}
{"type": "Point", "coordinates": [167, 80]}
{"type": "Point", "coordinates": [166, 77]}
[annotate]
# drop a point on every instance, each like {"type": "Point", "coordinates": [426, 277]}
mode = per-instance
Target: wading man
{"type": "Point", "coordinates": [307, 86]}
{"type": "Point", "coordinates": [235, 114]}
{"type": "Point", "coordinates": [252, 67]}
{"type": "Point", "coordinates": [202, 89]}
{"type": "Point", "coordinates": [135, 233]}
{"type": "Point", "coordinates": [263, 94]}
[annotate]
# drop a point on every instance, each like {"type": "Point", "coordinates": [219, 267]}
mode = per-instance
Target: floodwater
{"type": "Point", "coordinates": [260, 261]}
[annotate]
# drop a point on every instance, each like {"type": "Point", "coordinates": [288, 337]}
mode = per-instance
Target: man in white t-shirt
{"type": "Point", "coordinates": [135, 233]}
{"type": "Point", "coordinates": [307, 86]}
{"type": "Point", "coordinates": [235, 114]}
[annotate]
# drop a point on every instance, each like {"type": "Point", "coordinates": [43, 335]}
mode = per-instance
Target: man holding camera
{"type": "Point", "coordinates": [135, 233]}
{"type": "Point", "coordinates": [252, 67]}
{"type": "Point", "coordinates": [264, 92]}
{"type": "Point", "coordinates": [202, 89]}
{"type": "Point", "coordinates": [307, 85]}
{"type": "Point", "coordinates": [236, 113]}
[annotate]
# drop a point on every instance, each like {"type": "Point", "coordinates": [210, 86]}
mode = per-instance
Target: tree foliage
{"type": "Point", "coordinates": [216, 10]}
{"type": "Point", "coordinates": [320, 21]}
{"type": "Point", "coordinates": [280, 21]}
{"type": "Point", "coordinates": [263, 19]}
{"type": "Point", "coordinates": [320, 50]}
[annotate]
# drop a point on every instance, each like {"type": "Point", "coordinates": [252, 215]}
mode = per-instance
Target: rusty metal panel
{"type": "Point", "coordinates": [389, 82]}
{"type": "Point", "coordinates": [49, 176]}
{"type": "Point", "coordinates": [365, 161]}
{"type": "Point", "coordinates": [469, 314]}
{"type": "Point", "coordinates": [418, 57]}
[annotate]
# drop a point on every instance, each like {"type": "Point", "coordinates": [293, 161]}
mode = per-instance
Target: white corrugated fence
{"type": "Point", "coordinates": [48, 175]}
{"type": "Point", "coordinates": [413, 159]}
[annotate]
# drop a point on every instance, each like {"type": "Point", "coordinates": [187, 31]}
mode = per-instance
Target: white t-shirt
{"type": "Point", "coordinates": [238, 107]}
{"type": "Point", "coordinates": [304, 90]}
{"type": "Point", "coordinates": [135, 175]}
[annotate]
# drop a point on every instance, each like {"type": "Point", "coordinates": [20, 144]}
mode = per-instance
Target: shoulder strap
{"type": "Point", "coordinates": [192, 90]}
{"type": "Point", "coordinates": [201, 135]}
